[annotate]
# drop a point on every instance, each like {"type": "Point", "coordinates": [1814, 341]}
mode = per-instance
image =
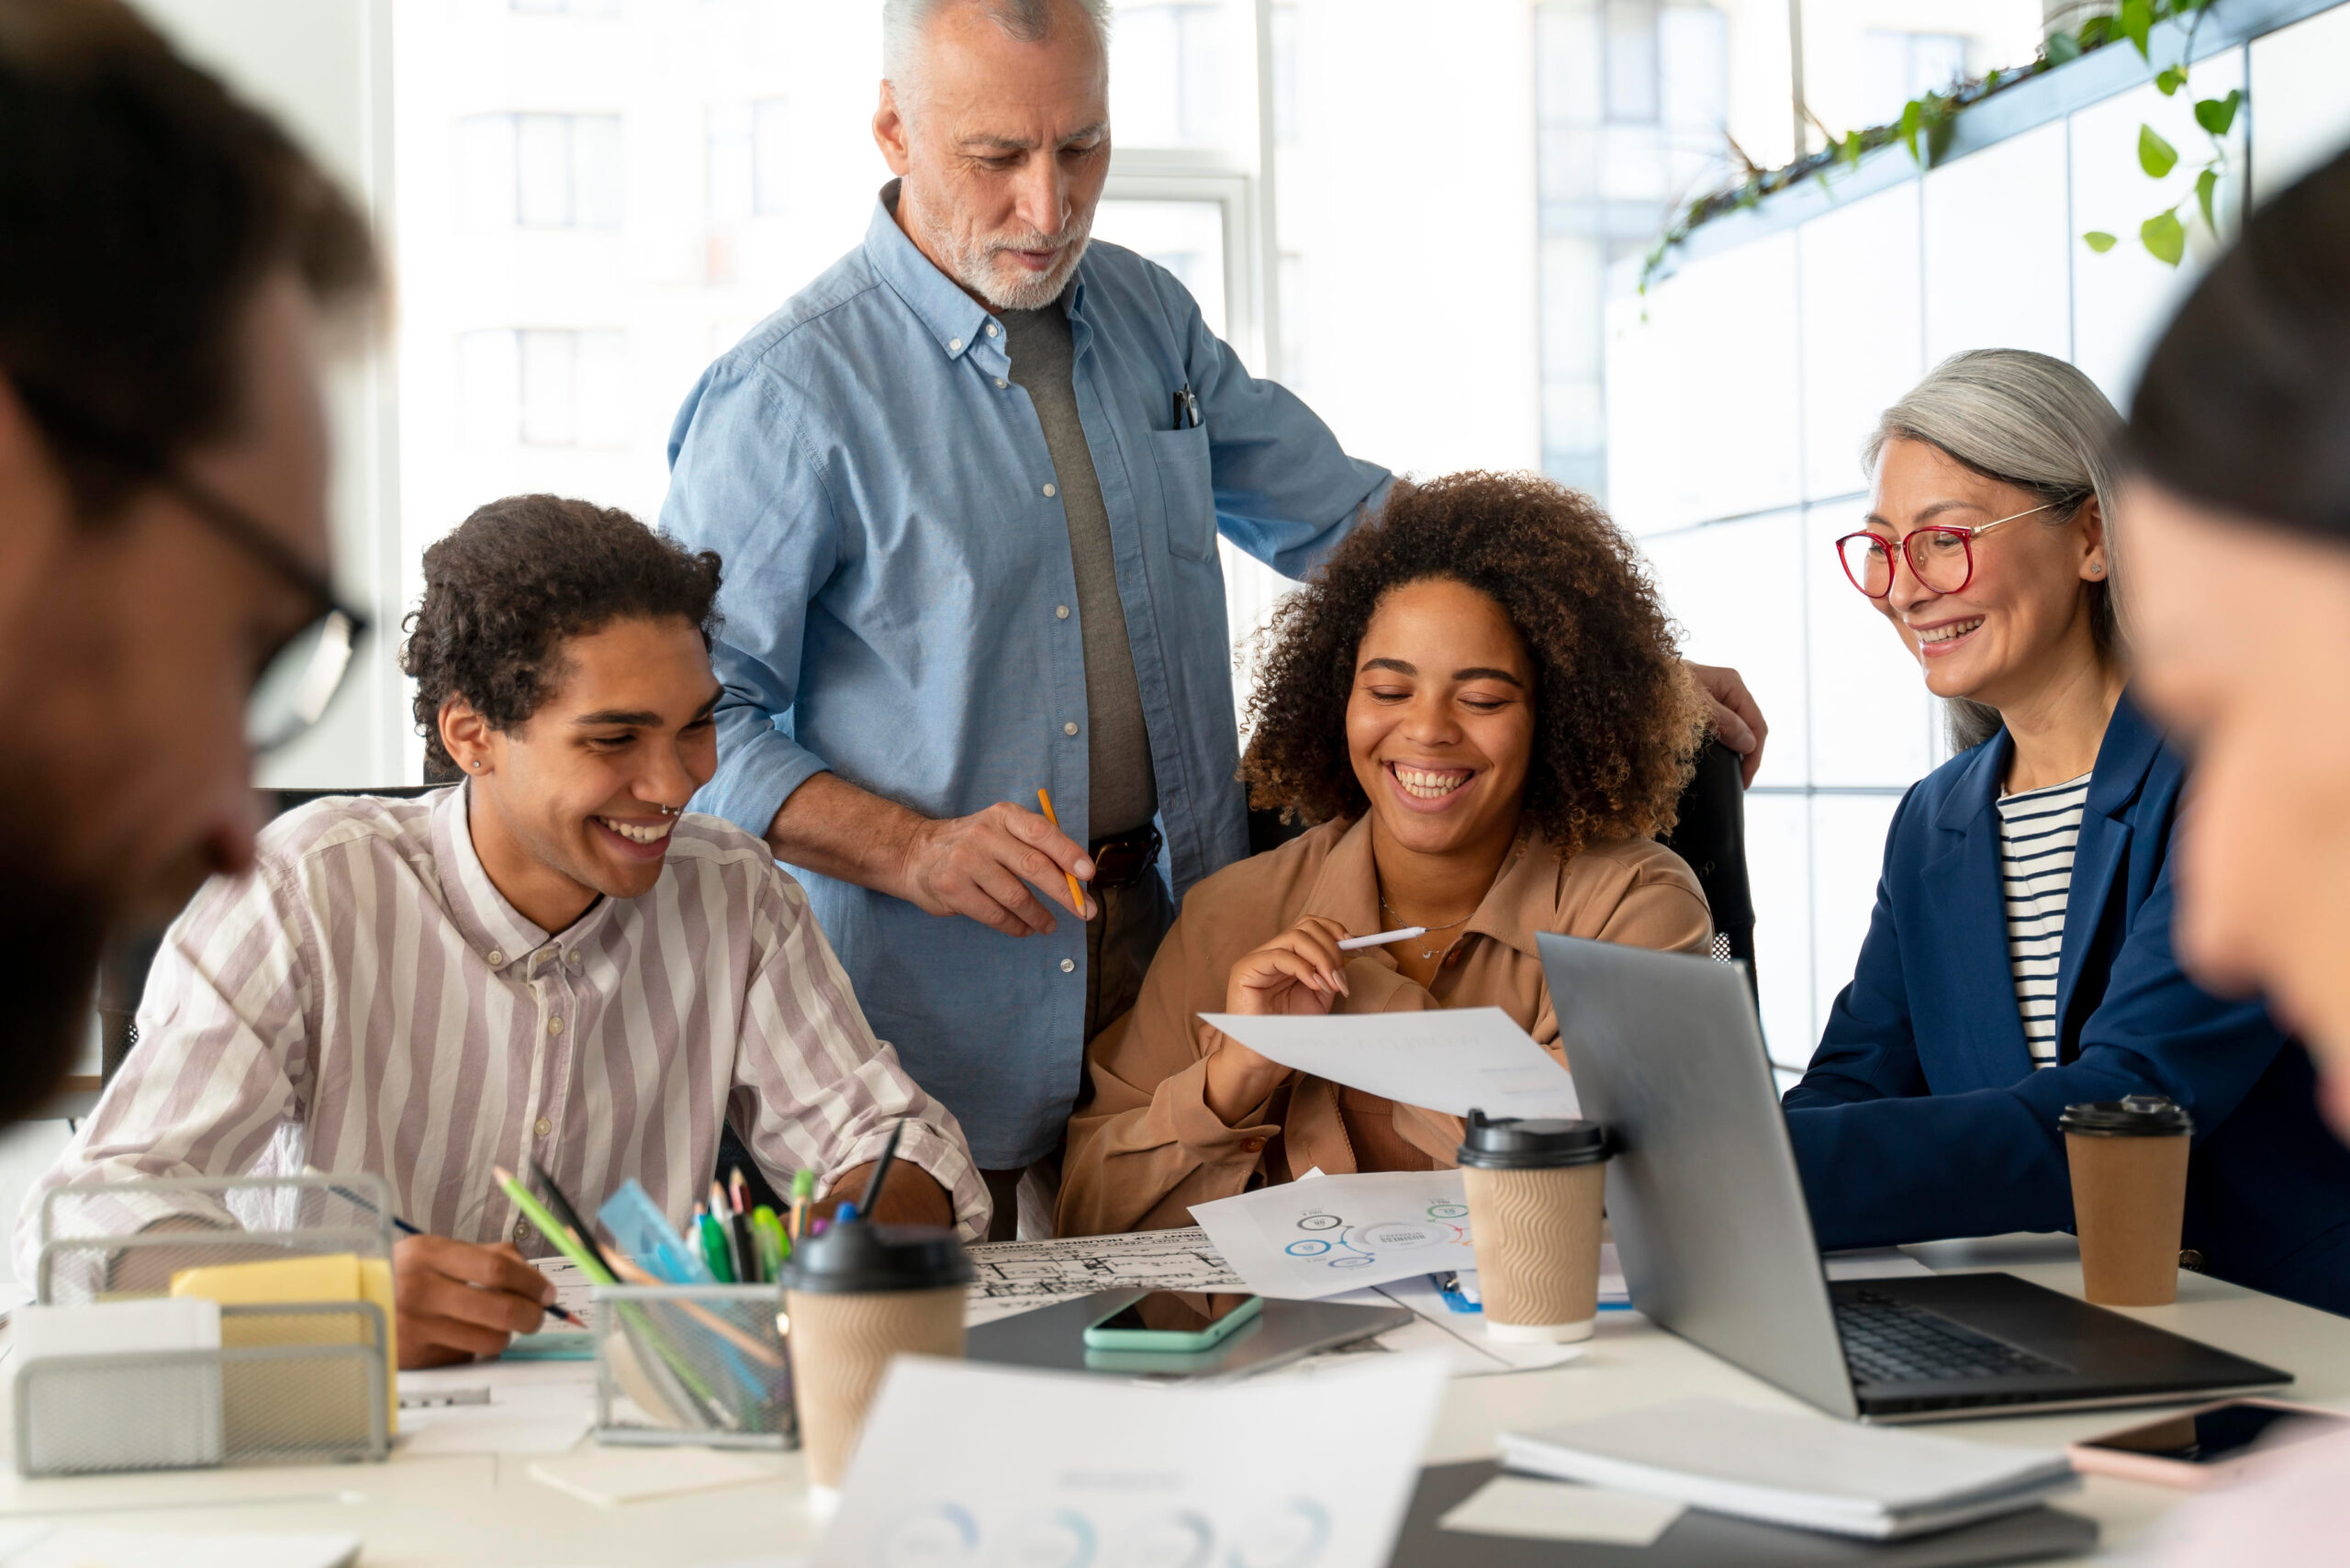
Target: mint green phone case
{"type": "Point", "coordinates": [1099, 1336]}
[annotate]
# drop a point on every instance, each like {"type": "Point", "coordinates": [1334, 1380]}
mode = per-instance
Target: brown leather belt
{"type": "Point", "coordinates": [1122, 861]}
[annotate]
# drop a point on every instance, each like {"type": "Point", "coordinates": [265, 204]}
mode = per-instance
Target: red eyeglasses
{"type": "Point", "coordinates": [1943, 558]}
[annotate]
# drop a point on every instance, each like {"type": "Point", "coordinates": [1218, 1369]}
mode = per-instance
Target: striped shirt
{"type": "Point", "coordinates": [2038, 829]}
{"type": "Point", "coordinates": [365, 1000]}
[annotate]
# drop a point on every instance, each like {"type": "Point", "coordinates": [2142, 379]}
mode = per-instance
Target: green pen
{"type": "Point", "coordinates": [767, 1232]}
{"type": "Point", "coordinates": [713, 1247]}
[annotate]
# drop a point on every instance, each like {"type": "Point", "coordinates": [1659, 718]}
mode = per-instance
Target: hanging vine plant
{"type": "Point", "coordinates": [1924, 124]}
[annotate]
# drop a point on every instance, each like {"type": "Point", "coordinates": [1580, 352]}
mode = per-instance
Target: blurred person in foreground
{"type": "Point", "coordinates": [2237, 529]}
{"type": "Point", "coordinates": [1478, 704]}
{"type": "Point", "coordinates": [2019, 957]}
{"type": "Point", "coordinates": [168, 260]}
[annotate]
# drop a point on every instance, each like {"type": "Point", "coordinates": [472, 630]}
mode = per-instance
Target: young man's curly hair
{"type": "Point", "coordinates": [1618, 723]}
{"type": "Point", "coordinates": [507, 585]}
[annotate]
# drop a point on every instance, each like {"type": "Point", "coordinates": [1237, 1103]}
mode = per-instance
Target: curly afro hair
{"type": "Point", "coordinates": [1618, 723]}
{"type": "Point", "coordinates": [505, 586]}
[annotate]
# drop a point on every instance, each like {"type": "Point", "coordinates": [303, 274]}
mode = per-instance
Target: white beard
{"type": "Point", "coordinates": [1005, 286]}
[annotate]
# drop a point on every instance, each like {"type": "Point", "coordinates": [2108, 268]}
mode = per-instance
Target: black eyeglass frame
{"type": "Point", "coordinates": [70, 426]}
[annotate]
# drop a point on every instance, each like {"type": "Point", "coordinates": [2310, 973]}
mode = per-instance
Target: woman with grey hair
{"type": "Point", "coordinates": [2019, 959]}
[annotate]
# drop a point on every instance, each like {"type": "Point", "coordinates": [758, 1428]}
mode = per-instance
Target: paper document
{"type": "Point", "coordinates": [966, 1464]}
{"type": "Point", "coordinates": [609, 1477]}
{"type": "Point", "coordinates": [1447, 1060]}
{"type": "Point", "coordinates": [1013, 1277]}
{"type": "Point", "coordinates": [1306, 1239]}
{"type": "Point", "coordinates": [534, 1407]}
{"type": "Point", "coordinates": [75, 1546]}
{"type": "Point", "coordinates": [1794, 1469]}
{"type": "Point", "coordinates": [1558, 1510]}
{"type": "Point", "coordinates": [1460, 1335]}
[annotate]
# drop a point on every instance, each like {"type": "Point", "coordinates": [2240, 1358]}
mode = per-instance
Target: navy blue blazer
{"type": "Point", "coordinates": [1921, 1115]}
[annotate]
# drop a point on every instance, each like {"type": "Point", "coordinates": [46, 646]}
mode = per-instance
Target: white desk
{"type": "Point", "coordinates": [485, 1509]}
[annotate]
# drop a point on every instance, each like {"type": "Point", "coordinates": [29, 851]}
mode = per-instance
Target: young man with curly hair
{"type": "Point", "coordinates": [549, 961]}
{"type": "Point", "coordinates": [1479, 705]}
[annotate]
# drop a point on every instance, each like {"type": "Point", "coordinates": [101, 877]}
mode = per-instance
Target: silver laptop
{"type": "Point", "coordinates": [1717, 1241]}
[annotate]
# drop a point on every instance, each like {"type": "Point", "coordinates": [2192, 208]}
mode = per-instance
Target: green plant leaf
{"type": "Point", "coordinates": [2216, 115]}
{"type": "Point", "coordinates": [2063, 48]}
{"type": "Point", "coordinates": [2205, 183]}
{"type": "Point", "coordinates": [2170, 81]}
{"type": "Point", "coordinates": [2097, 32]}
{"type": "Point", "coordinates": [2155, 156]}
{"type": "Point", "coordinates": [2097, 239]}
{"type": "Point", "coordinates": [2164, 236]}
{"type": "Point", "coordinates": [2135, 20]}
{"type": "Point", "coordinates": [1913, 119]}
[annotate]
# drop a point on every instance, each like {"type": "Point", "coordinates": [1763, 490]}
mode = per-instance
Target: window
{"type": "Point", "coordinates": [1169, 61]}
{"type": "Point", "coordinates": [749, 166]}
{"type": "Point", "coordinates": [1898, 67]}
{"type": "Point", "coordinates": [566, 8]}
{"type": "Point", "coordinates": [535, 387]}
{"type": "Point", "coordinates": [540, 170]}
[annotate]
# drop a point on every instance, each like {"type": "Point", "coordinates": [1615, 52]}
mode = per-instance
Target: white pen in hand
{"type": "Point", "coordinates": [1381, 938]}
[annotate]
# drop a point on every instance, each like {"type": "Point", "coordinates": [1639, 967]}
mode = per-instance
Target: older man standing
{"type": "Point", "coordinates": [968, 485]}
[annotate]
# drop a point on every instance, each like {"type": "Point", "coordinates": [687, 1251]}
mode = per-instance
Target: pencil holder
{"type": "Point", "coordinates": [208, 1321]}
{"type": "Point", "coordinates": [700, 1364]}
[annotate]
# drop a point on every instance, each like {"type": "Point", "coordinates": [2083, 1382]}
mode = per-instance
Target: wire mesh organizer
{"type": "Point", "coordinates": [702, 1364]}
{"type": "Point", "coordinates": [291, 1380]}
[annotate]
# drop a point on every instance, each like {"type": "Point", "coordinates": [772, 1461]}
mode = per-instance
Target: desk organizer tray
{"type": "Point", "coordinates": [701, 1365]}
{"type": "Point", "coordinates": [298, 1270]}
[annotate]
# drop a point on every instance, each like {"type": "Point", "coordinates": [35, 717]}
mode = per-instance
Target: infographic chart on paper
{"type": "Point", "coordinates": [1306, 1239]}
{"type": "Point", "coordinates": [1015, 1276]}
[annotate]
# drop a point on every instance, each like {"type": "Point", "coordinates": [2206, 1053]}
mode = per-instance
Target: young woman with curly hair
{"type": "Point", "coordinates": [1479, 706]}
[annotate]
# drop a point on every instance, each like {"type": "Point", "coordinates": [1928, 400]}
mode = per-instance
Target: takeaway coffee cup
{"type": "Point", "coordinates": [2128, 1161]}
{"type": "Point", "coordinates": [856, 1296]}
{"type": "Point", "coordinates": [1534, 1207]}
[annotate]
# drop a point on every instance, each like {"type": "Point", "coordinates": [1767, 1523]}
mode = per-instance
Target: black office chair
{"type": "Point", "coordinates": [1711, 835]}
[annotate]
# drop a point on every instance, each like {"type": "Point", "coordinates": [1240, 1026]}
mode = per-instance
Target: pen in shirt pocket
{"type": "Point", "coordinates": [1187, 407]}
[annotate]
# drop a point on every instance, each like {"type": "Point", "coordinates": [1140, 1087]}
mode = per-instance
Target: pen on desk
{"type": "Point", "coordinates": [746, 1247]}
{"type": "Point", "coordinates": [1075, 897]}
{"type": "Point", "coordinates": [724, 1213]}
{"type": "Point", "coordinates": [880, 1170]}
{"type": "Point", "coordinates": [1381, 938]}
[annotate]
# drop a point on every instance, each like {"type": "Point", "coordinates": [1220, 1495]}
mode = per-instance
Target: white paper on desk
{"type": "Point", "coordinates": [1011, 1277]}
{"type": "Point", "coordinates": [535, 1407]}
{"type": "Point", "coordinates": [1461, 1334]}
{"type": "Point", "coordinates": [1303, 1241]}
{"type": "Point", "coordinates": [1558, 1510]}
{"type": "Point", "coordinates": [75, 1546]}
{"type": "Point", "coordinates": [965, 1463]}
{"type": "Point", "coordinates": [1447, 1060]}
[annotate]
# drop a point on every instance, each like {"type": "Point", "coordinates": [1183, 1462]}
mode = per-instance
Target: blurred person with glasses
{"type": "Point", "coordinates": [169, 262]}
{"type": "Point", "coordinates": [2019, 957]}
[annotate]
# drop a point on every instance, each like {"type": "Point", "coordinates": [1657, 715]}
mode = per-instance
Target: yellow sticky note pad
{"type": "Point", "coordinates": [268, 1407]}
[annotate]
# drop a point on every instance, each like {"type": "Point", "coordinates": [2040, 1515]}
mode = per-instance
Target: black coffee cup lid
{"type": "Point", "coordinates": [1530, 1142]}
{"type": "Point", "coordinates": [859, 1257]}
{"type": "Point", "coordinates": [2134, 1116]}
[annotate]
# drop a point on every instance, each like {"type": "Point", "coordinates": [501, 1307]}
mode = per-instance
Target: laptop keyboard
{"type": "Point", "coordinates": [1892, 1341]}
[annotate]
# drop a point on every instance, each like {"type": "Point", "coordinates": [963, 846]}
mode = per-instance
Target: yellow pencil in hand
{"type": "Point", "coordinates": [1076, 895]}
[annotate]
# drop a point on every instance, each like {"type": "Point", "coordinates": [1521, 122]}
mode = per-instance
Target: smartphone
{"type": "Point", "coordinates": [1174, 1320]}
{"type": "Point", "coordinates": [2204, 1447]}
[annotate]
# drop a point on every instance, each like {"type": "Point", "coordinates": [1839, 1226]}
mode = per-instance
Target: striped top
{"type": "Point", "coordinates": [365, 1000]}
{"type": "Point", "coordinates": [2037, 832]}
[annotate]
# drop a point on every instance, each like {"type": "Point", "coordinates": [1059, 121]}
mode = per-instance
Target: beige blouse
{"type": "Point", "coordinates": [1144, 1146]}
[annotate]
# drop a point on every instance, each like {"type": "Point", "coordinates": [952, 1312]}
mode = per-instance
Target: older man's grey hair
{"type": "Point", "coordinates": [903, 23]}
{"type": "Point", "coordinates": [2030, 421]}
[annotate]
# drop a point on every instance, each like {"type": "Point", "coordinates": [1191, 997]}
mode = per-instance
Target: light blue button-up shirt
{"type": "Point", "coordinates": [897, 568]}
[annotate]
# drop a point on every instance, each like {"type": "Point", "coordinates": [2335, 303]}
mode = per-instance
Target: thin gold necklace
{"type": "Point", "coordinates": [1389, 910]}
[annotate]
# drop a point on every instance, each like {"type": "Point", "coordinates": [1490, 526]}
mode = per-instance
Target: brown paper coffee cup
{"type": "Point", "coordinates": [2128, 1206]}
{"type": "Point", "coordinates": [1536, 1238]}
{"type": "Point", "coordinates": [841, 1345]}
